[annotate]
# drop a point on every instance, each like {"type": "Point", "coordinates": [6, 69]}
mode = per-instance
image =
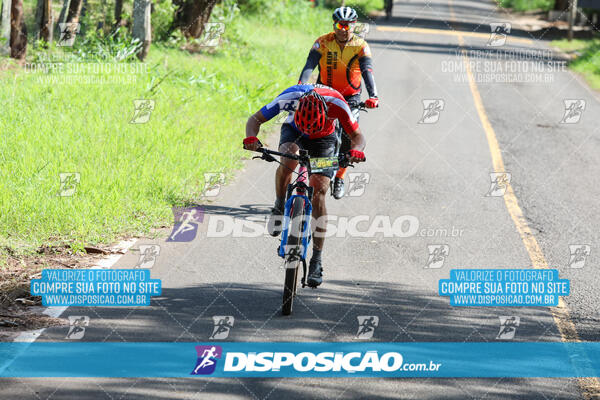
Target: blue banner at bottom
{"type": "Point", "coordinates": [280, 359]}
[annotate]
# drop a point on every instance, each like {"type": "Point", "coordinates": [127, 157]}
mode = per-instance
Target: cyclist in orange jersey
{"type": "Point", "coordinates": [343, 58]}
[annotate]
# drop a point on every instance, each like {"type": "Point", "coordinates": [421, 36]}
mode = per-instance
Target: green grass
{"type": "Point", "coordinates": [365, 7]}
{"type": "Point", "coordinates": [587, 61]}
{"type": "Point", "coordinates": [132, 174]}
{"type": "Point", "coordinates": [527, 5]}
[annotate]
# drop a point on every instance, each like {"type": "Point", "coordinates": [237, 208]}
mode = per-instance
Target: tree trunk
{"type": "Point", "coordinates": [48, 27]}
{"type": "Point", "coordinates": [561, 5]}
{"type": "Point", "coordinates": [18, 31]}
{"type": "Point", "coordinates": [74, 11]}
{"type": "Point", "coordinates": [63, 11]}
{"type": "Point", "coordinates": [44, 21]}
{"type": "Point", "coordinates": [191, 15]}
{"type": "Point", "coordinates": [62, 17]}
{"type": "Point", "coordinates": [119, 21]}
{"type": "Point", "coordinates": [142, 29]}
{"type": "Point", "coordinates": [5, 25]}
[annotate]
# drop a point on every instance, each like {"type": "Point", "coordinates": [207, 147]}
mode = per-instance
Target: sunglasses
{"type": "Point", "coordinates": [343, 27]}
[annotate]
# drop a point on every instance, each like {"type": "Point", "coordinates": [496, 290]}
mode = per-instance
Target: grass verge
{"type": "Point", "coordinates": [132, 174]}
{"type": "Point", "coordinates": [526, 5]}
{"type": "Point", "coordinates": [364, 8]}
{"type": "Point", "coordinates": [587, 58]}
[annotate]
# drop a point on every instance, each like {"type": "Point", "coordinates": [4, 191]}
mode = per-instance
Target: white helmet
{"type": "Point", "coordinates": [345, 14]}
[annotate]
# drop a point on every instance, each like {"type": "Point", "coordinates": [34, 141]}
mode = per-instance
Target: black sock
{"type": "Point", "coordinates": [316, 254]}
{"type": "Point", "coordinates": [279, 203]}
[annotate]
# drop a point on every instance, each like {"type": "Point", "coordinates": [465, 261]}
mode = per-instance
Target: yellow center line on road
{"type": "Point", "coordinates": [590, 386]}
{"type": "Point", "coordinates": [449, 33]}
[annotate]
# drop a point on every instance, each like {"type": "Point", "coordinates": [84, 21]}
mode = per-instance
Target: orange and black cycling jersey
{"type": "Point", "coordinates": [341, 67]}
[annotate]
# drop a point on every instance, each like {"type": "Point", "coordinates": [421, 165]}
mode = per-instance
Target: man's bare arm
{"type": "Point", "coordinates": [358, 140]}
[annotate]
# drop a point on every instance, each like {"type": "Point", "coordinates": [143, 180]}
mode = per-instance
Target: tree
{"type": "Point", "coordinates": [63, 11]}
{"type": "Point", "coordinates": [5, 24]}
{"type": "Point", "coordinates": [74, 11]}
{"type": "Point", "coordinates": [142, 28]}
{"type": "Point", "coordinates": [191, 15]}
{"type": "Point", "coordinates": [44, 21]}
{"type": "Point", "coordinates": [18, 31]}
{"type": "Point", "coordinates": [118, 12]}
{"type": "Point", "coordinates": [561, 5]}
{"type": "Point", "coordinates": [69, 13]}
{"type": "Point", "coordinates": [62, 18]}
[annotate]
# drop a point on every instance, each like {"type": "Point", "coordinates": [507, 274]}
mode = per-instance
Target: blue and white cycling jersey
{"type": "Point", "coordinates": [286, 101]}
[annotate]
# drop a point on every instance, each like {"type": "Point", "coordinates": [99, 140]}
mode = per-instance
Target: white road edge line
{"type": "Point", "coordinates": [29, 337]}
{"type": "Point", "coordinates": [55, 312]}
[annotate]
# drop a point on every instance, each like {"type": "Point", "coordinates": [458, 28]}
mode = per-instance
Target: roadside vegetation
{"type": "Point", "coordinates": [587, 58]}
{"type": "Point", "coordinates": [132, 174]}
{"type": "Point", "coordinates": [527, 5]}
{"type": "Point", "coordinates": [365, 7]}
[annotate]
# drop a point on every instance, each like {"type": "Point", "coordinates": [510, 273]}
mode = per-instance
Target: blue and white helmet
{"type": "Point", "coordinates": [345, 14]}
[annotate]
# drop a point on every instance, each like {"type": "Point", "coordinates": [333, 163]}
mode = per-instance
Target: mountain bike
{"type": "Point", "coordinates": [296, 233]}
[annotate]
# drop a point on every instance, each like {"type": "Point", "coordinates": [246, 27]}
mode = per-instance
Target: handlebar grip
{"type": "Point", "coordinates": [343, 160]}
{"type": "Point", "coordinates": [245, 142]}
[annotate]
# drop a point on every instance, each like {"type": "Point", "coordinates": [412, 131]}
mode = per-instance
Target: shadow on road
{"type": "Point", "coordinates": [244, 211]}
{"type": "Point", "coordinates": [549, 33]}
{"type": "Point", "coordinates": [454, 49]}
{"type": "Point", "coordinates": [303, 388]}
{"type": "Point", "coordinates": [329, 313]}
{"type": "Point", "coordinates": [326, 314]}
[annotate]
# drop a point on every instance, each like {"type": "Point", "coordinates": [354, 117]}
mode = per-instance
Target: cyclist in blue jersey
{"type": "Point", "coordinates": [313, 111]}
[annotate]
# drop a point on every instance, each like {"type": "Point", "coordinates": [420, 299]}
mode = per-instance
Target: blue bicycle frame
{"type": "Point", "coordinates": [305, 225]}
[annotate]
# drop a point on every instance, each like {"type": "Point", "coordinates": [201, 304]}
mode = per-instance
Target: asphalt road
{"type": "Point", "coordinates": [436, 172]}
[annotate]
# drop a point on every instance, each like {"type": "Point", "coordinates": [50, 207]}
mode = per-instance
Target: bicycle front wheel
{"type": "Point", "coordinates": [292, 258]}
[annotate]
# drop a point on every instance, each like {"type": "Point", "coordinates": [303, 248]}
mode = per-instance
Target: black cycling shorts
{"type": "Point", "coordinates": [322, 147]}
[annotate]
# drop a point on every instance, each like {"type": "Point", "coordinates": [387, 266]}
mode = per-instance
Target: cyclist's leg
{"type": "Point", "coordinates": [320, 184]}
{"type": "Point", "coordinates": [287, 144]}
{"type": "Point", "coordinates": [323, 147]}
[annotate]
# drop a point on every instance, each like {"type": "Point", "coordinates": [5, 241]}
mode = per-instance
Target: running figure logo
{"type": "Point", "coordinates": [573, 111]}
{"type": "Point", "coordinates": [186, 223]}
{"type": "Point", "coordinates": [148, 254]}
{"type": "Point", "coordinates": [212, 183]}
{"type": "Point", "coordinates": [293, 253]}
{"type": "Point", "coordinates": [68, 183]}
{"type": "Point", "coordinates": [366, 326]}
{"type": "Point", "coordinates": [508, 327]}
{"type": "Point", "coordinates": [287, 109]}
{"type": "Point", "coordinates": [358, 183]}
{"type": "Point", "coordinates": [500, 31]}
{"type": "Point", "coordinates": [68, 31]}
{"type": "Point", "coordinates": [212, 33]}
{"type": "Point", "coordinates": [223, 325]}
{"type": "Point", "coordinates": [499, 184]}
{"type": "Point", "coordinates": [77, 329]}
{"type": "Point", "coordinates": [579, 254]}
{"type": "Point", "coordinates": [207, 359]}
{"type": "Point", "coordinates": [432, 109]}
{"type": "Point", "coordinates": [362, 29]}
{"type": "Point", "coordinates": [142, 110]}
{"type": "Point", "coordinates": [437, 255]}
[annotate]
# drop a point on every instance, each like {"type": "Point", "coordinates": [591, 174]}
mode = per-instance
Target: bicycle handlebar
{"type": "Point", "coordinates": [267, 155]}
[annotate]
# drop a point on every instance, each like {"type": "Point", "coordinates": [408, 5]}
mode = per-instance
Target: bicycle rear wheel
{"type": "Point", "coordinates": [292, 259]}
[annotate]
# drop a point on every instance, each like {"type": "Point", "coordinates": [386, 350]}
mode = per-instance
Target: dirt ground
{"type": "Point", "coordinates": [19, 311]}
